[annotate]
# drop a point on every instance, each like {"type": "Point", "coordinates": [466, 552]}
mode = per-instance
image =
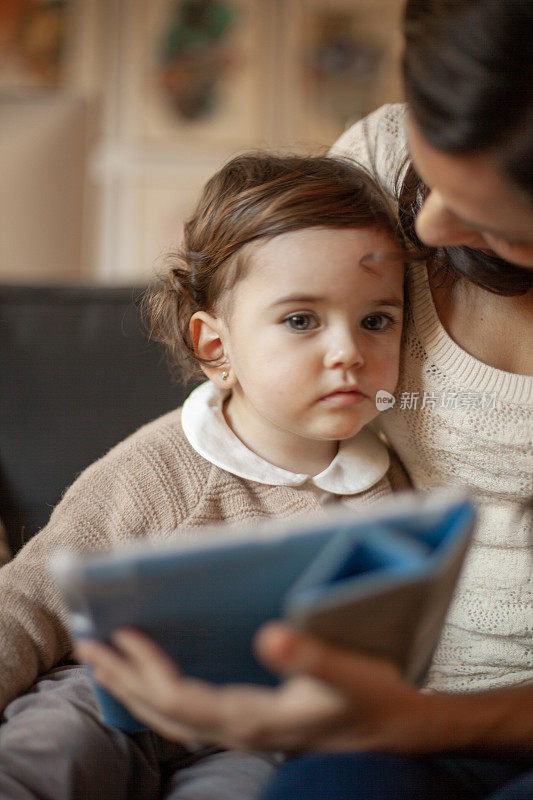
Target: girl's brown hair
{"type": "Point", "coordinates": [253, 197]}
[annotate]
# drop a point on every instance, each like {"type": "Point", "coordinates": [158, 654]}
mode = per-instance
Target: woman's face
{"type": "Point", "coordinates": [471, 203]}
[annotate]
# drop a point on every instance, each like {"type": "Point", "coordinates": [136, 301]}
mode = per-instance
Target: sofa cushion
{"type": "Point", "coordinates": [78, 375]}
{"type": "Point", "coordinates": [5, 551]}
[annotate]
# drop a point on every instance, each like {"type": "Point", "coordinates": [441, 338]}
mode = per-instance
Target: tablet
{"type": "Point", "coordinates": [379, 583]}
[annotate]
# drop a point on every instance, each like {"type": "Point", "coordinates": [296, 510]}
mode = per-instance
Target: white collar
{"type": "Point", "coordinates": [359, 464]}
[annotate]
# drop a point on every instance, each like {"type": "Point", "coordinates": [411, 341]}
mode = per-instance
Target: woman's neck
{"type": "Point", "coordinates": [495, 329]}
{"type": "Point", "coordinates": [281, 448]}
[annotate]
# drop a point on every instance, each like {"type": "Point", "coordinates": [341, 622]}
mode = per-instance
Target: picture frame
{"type": "Point", "coordinates": [195, 73]}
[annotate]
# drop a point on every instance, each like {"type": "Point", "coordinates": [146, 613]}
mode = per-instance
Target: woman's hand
{"type": "Point", "coordinates": [331, 700]}
{"type": "Point", "coordinates": [303, 713]}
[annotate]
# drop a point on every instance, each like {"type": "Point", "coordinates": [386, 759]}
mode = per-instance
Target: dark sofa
{"type": "Point", "coordinates": [77, 375]}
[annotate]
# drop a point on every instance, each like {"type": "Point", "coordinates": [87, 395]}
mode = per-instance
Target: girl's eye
{"type": "Point", "coordinates": [378, 322]}
{"type": "Point", "coordinates": [301, 322]}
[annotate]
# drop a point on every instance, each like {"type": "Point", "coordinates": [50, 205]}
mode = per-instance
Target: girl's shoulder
{"type": "Point", "coordinates": [155, 482]}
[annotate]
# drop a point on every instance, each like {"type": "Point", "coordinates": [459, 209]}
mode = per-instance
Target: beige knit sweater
{"type": "Point", "coordinates": [459, 422]}
{"type": "Point", "coordinates": [149, 486]}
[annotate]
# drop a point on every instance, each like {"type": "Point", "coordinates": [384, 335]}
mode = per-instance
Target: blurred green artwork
{"type": "Point", "coordinates": [197, 55]}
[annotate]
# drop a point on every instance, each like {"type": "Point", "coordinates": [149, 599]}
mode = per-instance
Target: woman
{"type": "Point", "coordinates": [468, 72]}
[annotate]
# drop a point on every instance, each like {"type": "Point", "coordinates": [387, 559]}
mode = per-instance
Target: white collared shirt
{"type": "Point", "coordinates": [359, 464]}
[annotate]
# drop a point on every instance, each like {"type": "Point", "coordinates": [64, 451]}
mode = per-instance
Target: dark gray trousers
{"type": "Point", "coordinates": [54, 745]}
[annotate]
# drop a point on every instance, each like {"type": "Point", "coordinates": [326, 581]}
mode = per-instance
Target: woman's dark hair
{"type": "Point", "coordinates": [253, 197]}
{"type": "Point", "coordinates": [468, 75]}
{"type": "Point", "coordinates": [489, 272]}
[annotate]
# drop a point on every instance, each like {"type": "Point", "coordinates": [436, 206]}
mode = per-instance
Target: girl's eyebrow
{"type": "Point", "coordinates": [390, 301]}
{"type": "Point", "coordinates": [394, 302]}
{"type": "Point", "coordinates": [297, 298]}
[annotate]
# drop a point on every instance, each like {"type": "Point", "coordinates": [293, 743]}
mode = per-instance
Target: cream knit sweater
{"type": "Point", "coordinates": [460, 422]}
{"type": "Point", "coordinates": [149, 486]}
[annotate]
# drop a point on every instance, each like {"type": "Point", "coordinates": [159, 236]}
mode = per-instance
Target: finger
{"type": "Point", "coordinates": [139, 646]}
{"type": "Point", "coordinates": [137, 668]}
{"type": "Point", "coordinates": [293, 717]}
{"type": "Point", "coordinates": [254, 726]}
{"type": "Point", "coordinates": [275, 644]}
{"type": "Point", "coordinates": [112, 669]}
{"type": "Point", "coordinates": [96, 653]}
{"type": "Point", "coordinates": [287, 718]}
{"type": "Point", "coordinates": [142, 674]}
{"type": "Point", "coordinates": [223, 712]}
{"type": "Point", "coordinates": [162, 723]}
{"type": "Point", "coordinates": [117, 674]}
{"type": "Point", "coordinates": [146, 655]}
{"type": "Point", "coordinates": [129, 687]}
{"type": "Point", "coordinates": [288, 650]}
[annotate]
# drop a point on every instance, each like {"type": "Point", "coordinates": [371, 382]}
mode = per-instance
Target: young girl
{"type": "Point", "coordinates": [288, 296]}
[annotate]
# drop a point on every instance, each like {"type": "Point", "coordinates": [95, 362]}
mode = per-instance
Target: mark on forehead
{"type": "Point", "coordinates": [381, 259]}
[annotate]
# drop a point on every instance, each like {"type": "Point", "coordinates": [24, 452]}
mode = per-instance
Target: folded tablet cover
{"type": "Point", "coordinates": [379, 583]}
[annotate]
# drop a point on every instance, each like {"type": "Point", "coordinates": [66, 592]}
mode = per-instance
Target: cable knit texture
{"type": "Point", "coordinates": [460, 422]}
{"type": "Point", "coordinates": [153, 485]}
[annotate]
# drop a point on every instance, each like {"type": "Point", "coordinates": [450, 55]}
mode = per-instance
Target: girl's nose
{"type": "Point", "coordinates": [343, 355]}
{"type": "Point", "coordinates": [437, 226]}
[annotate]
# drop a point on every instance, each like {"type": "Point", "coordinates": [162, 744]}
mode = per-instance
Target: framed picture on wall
{"type": "Point", "coordinates": [198, 73]}
{"type": "Point", "coordinates": [32, 44]}
{"type": "Point", "coordinates": [341, 62]}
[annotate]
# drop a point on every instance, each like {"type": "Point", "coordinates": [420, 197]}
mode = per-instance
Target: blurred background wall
{"type": "Point", "coordinates": [113, 113]}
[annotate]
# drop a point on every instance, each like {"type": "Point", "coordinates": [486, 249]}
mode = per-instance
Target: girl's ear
{"type": "Point", "coordinates": [207, 335]}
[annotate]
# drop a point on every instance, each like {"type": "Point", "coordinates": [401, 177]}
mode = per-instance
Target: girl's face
{"type": "Point", "coordinates": [471, 203]}
{"type": "Point", "coordinates": [311, 335]}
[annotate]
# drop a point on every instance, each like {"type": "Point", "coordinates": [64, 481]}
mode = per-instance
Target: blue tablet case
{"type": "Point", "coordinates": [379, 583]}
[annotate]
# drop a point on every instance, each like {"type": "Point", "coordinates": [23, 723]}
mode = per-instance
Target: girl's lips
{"type": "Point", "coordinates": [344, 397]}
